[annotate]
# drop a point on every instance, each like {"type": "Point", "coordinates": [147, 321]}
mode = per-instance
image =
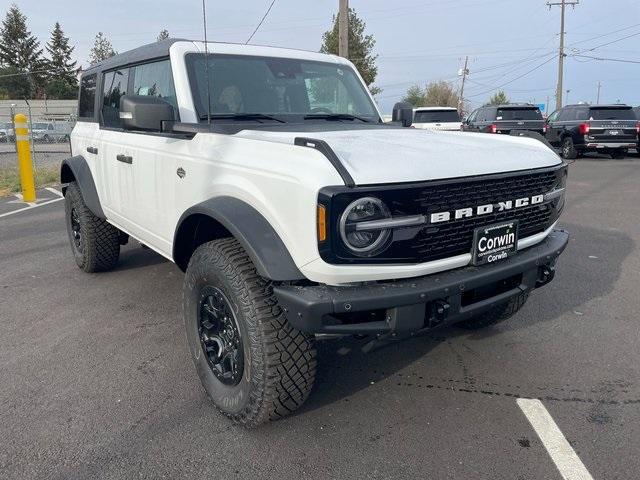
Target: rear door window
{"type": "Point", "coordinates": [519, 114]}
{"type": "Point", "coordinates": [611, 114]}
{"type": "Point", "coordinates": [114, 86]}
{"type": "Point", "coordinates": [86, 105]}
{"type": "Point", "coordinates": [436, 116]}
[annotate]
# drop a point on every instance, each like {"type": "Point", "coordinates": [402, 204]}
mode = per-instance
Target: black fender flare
{"type": "Point", "coordinates": [76, 169]}
{"type": "Point", "coordinates": [256, 235]}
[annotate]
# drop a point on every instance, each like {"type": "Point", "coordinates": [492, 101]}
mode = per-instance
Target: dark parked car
{"type": "Point", "coordinates": [505, 119]}
{"type": "Point", "coordinates": [576, 129]}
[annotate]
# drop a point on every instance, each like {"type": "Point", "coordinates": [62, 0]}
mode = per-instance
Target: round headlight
{"type": "Point", "coordinates": [363, 242]}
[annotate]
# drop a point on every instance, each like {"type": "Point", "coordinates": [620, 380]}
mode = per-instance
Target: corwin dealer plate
{"type": "Point", "coordinates": [495, 242]}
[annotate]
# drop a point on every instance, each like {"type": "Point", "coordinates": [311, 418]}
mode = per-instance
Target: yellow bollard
{"type": "Point", "coordinates": [24, 158]}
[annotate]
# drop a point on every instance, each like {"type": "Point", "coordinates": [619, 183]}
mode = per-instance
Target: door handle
{"type": "Point", "coordinates": [124, 158]}
{"type": "Point", "coordinates": [93, 150]}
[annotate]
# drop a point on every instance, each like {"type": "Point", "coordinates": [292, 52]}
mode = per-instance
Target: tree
{"type": "Point", "coordinates": [63, 82]}
{"type": "Point", "coordinates": [163, 35]}
{"type": "Point", "coordinates": [416, 96]}
{"type": "Point", "coordinates": [14, 83]}
{"type": "Point", "coordinates": [441, 94]}
{"type": "Point", "coordinates": [360, 48]}
{"type": "Point", "coordinates": [101, 50]}
{"type": "Point", "coordinates": [21, 50]}
{"type": "Point", "coordinates": [498, 98]}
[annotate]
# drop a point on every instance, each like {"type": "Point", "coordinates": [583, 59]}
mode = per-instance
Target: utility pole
{"type": "Point", "coordinates": [343, 29]}
{"type": "Point", "coordinates": [465, 72]}
{"type": "Point", "coordinates": [562, 4]}
{"type": "Point", "coordinates": [598, 97]}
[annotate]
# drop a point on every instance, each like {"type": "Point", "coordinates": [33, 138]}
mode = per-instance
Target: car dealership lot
{"type": "Point", "coordinates": [97, 381]}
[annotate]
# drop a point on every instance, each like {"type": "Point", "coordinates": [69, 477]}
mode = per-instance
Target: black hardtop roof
{"type": "Point", "coordinates": [140, 54]}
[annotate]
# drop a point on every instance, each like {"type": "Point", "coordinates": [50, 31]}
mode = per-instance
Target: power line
{"type": "Point", "coordinates": [261, 21]}
{"type": "Point", "coordinates": [621, 60]}
{"type": "Point", "coordinates": [514, 79]}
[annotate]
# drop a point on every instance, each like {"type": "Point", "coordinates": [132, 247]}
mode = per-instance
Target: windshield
{"type": "Point", "coordinates": [611, 114]}
{"type": "Point", "coordinates": [40, 126]}
{"type": "Point", "coordinates": [518, 114]}
{"type": "Point", "coordinates": [281, 87]}
{"type": "Point", "coordinates": [436, 116]}
{"type": "Point", "coordinates": [6, 126]}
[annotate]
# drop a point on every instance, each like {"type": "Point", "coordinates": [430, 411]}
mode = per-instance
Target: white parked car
{"type": "Point", "coordinates": [296, 213]}
{"type": "Point", "coordinates": [437, 118]}
{"type": "Point", "coordinates": [6, 132]}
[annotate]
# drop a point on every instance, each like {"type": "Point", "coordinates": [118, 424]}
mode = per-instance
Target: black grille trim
{"type": "Point", "coordinates": [447, 239]}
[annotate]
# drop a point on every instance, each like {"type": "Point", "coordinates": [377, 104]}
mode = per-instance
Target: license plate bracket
{"type": "Point", "coordinates": [496, 242]}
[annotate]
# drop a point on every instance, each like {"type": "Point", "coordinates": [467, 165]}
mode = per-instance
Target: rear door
{"type": "Point", "coordinates": [519, 118]}
{"type": "Point", "coordinates": [118, 174]}
{"type": "Point", "coordinates": [552, 133]}
{"type": "Point", "coordinates": [612, 124]}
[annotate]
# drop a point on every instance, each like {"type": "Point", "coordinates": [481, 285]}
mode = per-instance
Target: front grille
{"type": "Point", "coordinates": [455, 237]}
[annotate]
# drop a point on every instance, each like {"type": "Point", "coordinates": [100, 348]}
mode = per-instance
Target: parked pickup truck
{"type": "Point", "coordinates": [268, 177]}
{"type": "Point", "coordinates": [609, 129]}
{"type": "Point", "coordinates": [506, 119]}
{"type": "Point", "coordinates": [436, 118]}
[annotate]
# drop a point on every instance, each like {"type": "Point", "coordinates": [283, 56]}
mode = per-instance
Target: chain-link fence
{"type": "Point", "coordinates": [50, 124]}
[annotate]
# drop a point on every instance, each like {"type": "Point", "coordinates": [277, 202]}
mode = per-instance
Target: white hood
{"type": "Point", "coordinates": [397, 155]}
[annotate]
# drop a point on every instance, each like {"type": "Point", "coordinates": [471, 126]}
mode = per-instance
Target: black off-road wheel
{"type": "Point", "coordinates": [95, 243]}
{"type": "Point", "coordinates": [252, 363]}
{"type": "Point", "coordinates": [497, 314]}
{"type": "Point", "coordinates": [569, 151]}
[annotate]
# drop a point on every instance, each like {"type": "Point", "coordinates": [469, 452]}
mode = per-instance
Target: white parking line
{"type": "Point", "coordinates": [562, 454]}
{"type": "Point", "coordinates": [55, 191]}
{"type": "Point", "coordinates": [21, 198]}
{"type": "Point", "coordinates": [31, 207]}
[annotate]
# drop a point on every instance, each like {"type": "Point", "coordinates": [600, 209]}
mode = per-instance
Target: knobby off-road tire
{"type": "Point", "coordinates": [569, 151]}
{"type": "Point", "coordinates": [279, 362]}
{"type": "Point", "coordinates": [497, 314]}
{"type": "Point", "coordinates": [95, 243]}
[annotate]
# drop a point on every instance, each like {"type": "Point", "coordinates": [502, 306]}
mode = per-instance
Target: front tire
{"type": "Point", "coordinates": [569, 151]}
{"type": "Point", "coordinates": [252, 363]}
{"type": "Point", "coordinates": [497, 314]}
{"type": "Point", "coordinates": [95, 243]}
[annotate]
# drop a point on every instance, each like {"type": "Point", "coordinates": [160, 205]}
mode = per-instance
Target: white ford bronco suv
{"type": "Point", "coordinates": [267, 175]}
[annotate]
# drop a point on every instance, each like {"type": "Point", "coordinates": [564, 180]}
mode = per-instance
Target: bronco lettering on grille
{"type": "Point", "coordinates": [485, 209]}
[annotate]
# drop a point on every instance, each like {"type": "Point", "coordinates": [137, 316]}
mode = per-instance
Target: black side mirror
{"type": "Point", "coordinates": [142, 112]}
{"type": "Point", "coordinates": [403, 113]}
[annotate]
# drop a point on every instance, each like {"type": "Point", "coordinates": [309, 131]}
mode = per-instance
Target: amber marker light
{"type": "Point", "coordinates": [322, 223]}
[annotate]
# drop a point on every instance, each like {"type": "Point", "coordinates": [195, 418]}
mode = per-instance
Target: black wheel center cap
{"type": "Point", "coordinates": [220, 336]}
{"type": "Point", "coordinates": [75, 229]}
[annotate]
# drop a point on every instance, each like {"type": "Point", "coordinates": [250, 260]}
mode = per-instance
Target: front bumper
{"type": "Point", "coordinates": [416, 304]}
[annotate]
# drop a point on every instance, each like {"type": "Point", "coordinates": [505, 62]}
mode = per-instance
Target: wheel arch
{"type": "Point", "coordinates": [223, 217]}
{"type": "Point", "coordinates": [76, 169]}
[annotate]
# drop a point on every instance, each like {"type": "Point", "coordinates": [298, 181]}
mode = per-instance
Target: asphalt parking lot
{"type": "Point", "coordinates": [97, 381]}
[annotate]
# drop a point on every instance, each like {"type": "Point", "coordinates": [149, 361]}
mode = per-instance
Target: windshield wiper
{"type": "Point", "coordinates": [335, 116]}
{"type": "Point", "coordinates": [241, 116]}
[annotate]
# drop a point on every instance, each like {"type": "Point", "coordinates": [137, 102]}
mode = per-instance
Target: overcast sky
{"type": "Point", "coordinates": [417, 41]}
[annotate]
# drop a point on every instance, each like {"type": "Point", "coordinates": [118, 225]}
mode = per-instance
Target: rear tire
{"type": "Point", "coordinates": [95, 243]}
{"type": "Point", "coordinates": [270, 370]}
{"type": "Point", "coordinates": [569, 151]}
{"type": "Point", "coordinates": [497, 314]}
